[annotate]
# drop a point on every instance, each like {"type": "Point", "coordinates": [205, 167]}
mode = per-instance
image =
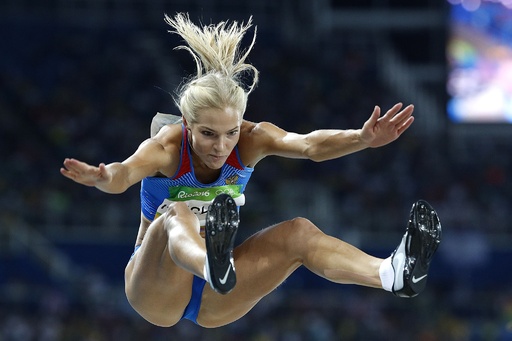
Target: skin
{"type": "Point", "coordinates": [158, 280]}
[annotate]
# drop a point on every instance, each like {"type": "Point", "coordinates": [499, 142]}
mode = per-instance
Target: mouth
{"type": "Point", "coordinates": [217, 158]}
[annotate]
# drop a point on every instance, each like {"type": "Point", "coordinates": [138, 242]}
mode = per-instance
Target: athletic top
{"type": "Point", "coordinates": [157, 192]}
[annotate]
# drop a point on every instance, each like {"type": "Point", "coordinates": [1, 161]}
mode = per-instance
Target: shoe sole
{"type": "Point", "coordinates": [220, 232]}
{"type": "Point", "coordinates": [423, 235]}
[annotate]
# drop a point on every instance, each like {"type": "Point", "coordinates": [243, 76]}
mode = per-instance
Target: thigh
{"type": "Point", "coordinates": [156, 287]}
{"type": "Point", "coordinates": [262, 263]}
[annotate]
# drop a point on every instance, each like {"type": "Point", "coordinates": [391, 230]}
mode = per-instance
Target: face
{"type": "Point", "coordinates": [214, 135]}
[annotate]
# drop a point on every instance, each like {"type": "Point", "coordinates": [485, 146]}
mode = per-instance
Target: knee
{"type": "Point", "coordinates": [300, 229]}
{"type": "Point", "coordinates": [179, 214]}
{"type": "Point", "coordinates": [304, 226]}
{"type": "Point", "coordinates": [176, 208]}
{"type": "Point", "coordinates": [295, 236]}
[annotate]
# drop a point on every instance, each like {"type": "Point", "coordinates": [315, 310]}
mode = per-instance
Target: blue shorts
{"type": "Point", "coordinates": [193, 306]}
{"type": "Point", "coordinates": [192, 309]}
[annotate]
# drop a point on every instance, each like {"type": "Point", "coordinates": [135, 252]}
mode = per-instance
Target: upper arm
{"type": "Point", "coordinates": [150, 158]}
{"type": "Point", "coordinates": [268, 139]}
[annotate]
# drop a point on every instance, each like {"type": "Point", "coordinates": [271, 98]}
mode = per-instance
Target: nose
{"type": "Point", "coordinates": [220, 145]}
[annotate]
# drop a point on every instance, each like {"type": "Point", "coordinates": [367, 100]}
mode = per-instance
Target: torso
{"type": "Point", "coordinates": [184, 180]}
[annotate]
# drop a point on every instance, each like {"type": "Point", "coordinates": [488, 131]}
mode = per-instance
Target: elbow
{"type": "Point", "coordinates": [317, 159]}
{"type": "Point", "coordinates": [313, 154]}
{"type": "Point", "coordinates": [121, 189]}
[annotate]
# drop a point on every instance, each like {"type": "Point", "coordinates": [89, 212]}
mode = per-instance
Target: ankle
{"type": "Point", "coordinates": [387, 274]}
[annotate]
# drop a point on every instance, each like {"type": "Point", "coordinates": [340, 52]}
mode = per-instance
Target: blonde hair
{"type": "Point", "coordinates": [219, 64]}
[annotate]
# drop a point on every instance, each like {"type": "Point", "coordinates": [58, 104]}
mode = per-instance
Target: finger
{"type": "Point", "coordinates": [102, 170]}
{"type": "Point", "coordinates": [69, 162]}
{"type": "Point", "coordinates": [67, 173]}
{"type": "Point", "coordinates": [391, 112]}
{"type": "Point", "coordinates": [76, 166]}
{"type": "Point", "coordinates": [375, 116]}
{"type": "Point", "coordinates": [72, 165]}
{"type": "Point", "coordinates": [403, 115]}
{"type": "Point", "coordinates": [405, 125]}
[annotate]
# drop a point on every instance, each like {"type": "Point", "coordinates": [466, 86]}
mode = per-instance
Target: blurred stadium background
{"type": "Point", "coordinates": [83, 78]}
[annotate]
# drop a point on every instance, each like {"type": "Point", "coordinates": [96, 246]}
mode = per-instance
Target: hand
{"type": "Point", "coordinates": [379, 131]}
{"type": "Point", "coordinates": [85, 174]}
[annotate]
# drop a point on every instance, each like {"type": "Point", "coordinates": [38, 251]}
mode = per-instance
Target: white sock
{"type": "Point", "coordinates": [387, 274]}
{"type": "Point", "coordinates": [205, 271]}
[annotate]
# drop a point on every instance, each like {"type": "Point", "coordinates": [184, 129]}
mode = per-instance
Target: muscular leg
{"type": "Point", "coordinates": [158, 280]}
{"type": "Point", "coordinates": [267, 258]}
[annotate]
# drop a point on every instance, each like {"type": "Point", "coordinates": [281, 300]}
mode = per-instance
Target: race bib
{"type": "Point", "coordinates": [199, 199]}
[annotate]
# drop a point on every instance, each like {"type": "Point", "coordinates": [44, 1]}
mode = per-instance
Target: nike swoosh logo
{"type": "Point", "coordinates": [225, 278]}
{"type": "Point", "coordinates": [416, 280]}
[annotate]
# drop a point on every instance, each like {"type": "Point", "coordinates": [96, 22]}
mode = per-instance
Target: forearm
{"type": "Point", "coordinates": [331, 144]}
{"type": "Point", "coordinates": [117, 182]}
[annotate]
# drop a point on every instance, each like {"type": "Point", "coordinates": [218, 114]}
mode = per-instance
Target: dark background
{"type": "Point", "coordinates": [83, 79]}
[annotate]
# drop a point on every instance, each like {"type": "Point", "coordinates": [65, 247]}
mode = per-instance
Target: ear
{"type": "Point", "coordinates": [185, 123]}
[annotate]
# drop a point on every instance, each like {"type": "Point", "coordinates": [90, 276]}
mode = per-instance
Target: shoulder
{"type": "Point", "coordinates": [260, 131]}
{"type": "Point", "coordinates": [164, 148]}
{"type": "Point", "coordinates": [256, 140]}
{"type": "Point", "coordinates": [169, 136]}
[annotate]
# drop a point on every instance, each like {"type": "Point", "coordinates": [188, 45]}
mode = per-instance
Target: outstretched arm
{"type": "Point", "coordinates": [327, 144]}
{"type": "Point", "coordinates": [117, 177]}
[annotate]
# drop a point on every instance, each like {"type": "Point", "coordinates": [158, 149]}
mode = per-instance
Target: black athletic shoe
{"type": "Point", "coordinates": [412, 257]}
{"type": "Point", "coordinates": [220, 231]}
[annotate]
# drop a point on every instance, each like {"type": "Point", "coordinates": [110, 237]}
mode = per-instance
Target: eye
{"type": "Point", "coordinates": [207, 133]}
{"type": "Point", "coordinates": [233, 133]}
